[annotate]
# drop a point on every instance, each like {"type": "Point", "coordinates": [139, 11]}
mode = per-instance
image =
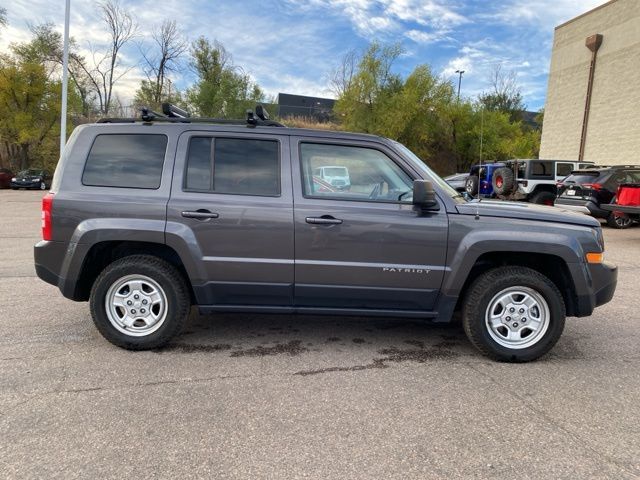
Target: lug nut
{"type": "Point", "coordinates": [133, 311]}
{"type": "Point", "coordinates": [144, 302]}
{"type": "Point", "coordinates": [508, 319]}
{"type": "Point", "coordinates": [129, 302]}
{"type": "Point", "coordinates": [522, 310]}
{"type": "Point", "coordinates": [136, 296]}
{"type": "Point", "coordinates": [515, 324]}
{"type": "Point", "coordinates": [512, 309]}
{"type": "Point", "coordinates": [523, 319]}
{"type": "Point", "coordinates": [142, 310]}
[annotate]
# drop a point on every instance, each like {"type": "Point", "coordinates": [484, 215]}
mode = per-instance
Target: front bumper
{"type": "Point", "coordinates": [26, 184]}
{"type": "Point", "coordinates": [601, 285]}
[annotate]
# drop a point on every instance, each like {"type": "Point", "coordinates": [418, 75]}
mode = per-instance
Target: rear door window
{"type": "Point", "coordinates": [127, 161]}
{"type": "Point", "coordinates": [563, 169]}
{"type": "Point", "coordinates": [237, 166]}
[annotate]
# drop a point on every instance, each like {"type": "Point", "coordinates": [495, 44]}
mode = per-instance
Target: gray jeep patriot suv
{"type": "Point", "coordinates": [147, 217]}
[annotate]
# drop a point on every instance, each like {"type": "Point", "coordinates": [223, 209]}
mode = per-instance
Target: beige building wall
{"type": "Point", "coordinates": [613, 135]}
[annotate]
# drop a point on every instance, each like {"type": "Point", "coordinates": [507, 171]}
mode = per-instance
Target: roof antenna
{"type": "Point", "coordinates": [480, 167]}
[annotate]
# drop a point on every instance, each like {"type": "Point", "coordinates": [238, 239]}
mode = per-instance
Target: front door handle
{"type": "Point", "coordinates": [200, 214]}
{"type": "Point", "coordinates": [323, 220]}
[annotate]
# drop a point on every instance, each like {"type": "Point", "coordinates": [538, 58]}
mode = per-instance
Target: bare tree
{"type": "Point", "coordinates": [505, 95]}
{"type": "Point", "coordinates": [342, 75]}
{"type": "Point", "coordinates": [107, 70]}
{"type": "Point", "coordinates": [169, 47]}
{"type": "Point", "coordinates": [3, 17]}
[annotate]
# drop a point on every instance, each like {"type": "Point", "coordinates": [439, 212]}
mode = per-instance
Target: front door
{"type": "Point", "coordinates": [231, 203]}
{"type": "Point", "coordinates": [363, 246]}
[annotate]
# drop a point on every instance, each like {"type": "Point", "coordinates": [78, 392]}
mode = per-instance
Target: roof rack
{"type": "Point", "coordinates": [172, 114]}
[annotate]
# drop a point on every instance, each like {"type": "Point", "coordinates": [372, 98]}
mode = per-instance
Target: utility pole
{"type": "Point", "coordinates": [459, 72]}
{"type": "Point", "coordinates": [65, 78]}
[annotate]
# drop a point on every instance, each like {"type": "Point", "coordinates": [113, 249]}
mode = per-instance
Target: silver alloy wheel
{"type": "Point", "coordinates": [622, 220]}
{"type": "Point", "coordinates": [43, 186]}
{"type": "Point", "coordinates": [517, 317]}
{"type": "Point", "coordinates": [136, 305]}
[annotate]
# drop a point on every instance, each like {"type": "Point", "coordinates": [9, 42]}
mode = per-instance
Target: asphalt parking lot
{"type": "Point", "coordinates": [259, 396]}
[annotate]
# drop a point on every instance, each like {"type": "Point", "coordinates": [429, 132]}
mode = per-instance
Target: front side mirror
{"type": "Point", "coordinates": [424, 196]}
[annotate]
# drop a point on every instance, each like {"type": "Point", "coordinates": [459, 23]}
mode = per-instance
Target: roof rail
{"type": "Point", "coordinates": [173, 114]}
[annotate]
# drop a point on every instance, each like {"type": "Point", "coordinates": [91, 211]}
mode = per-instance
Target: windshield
{"type": "Point", "coordinates": [448, 189]}
{"type": "Point", "coordinates": [30, 173]}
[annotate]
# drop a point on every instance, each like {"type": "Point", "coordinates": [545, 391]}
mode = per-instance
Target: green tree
{"type": "Point", "coordinates": [31, 107]}
{"type": "Point", "coordinates": [222, 89]}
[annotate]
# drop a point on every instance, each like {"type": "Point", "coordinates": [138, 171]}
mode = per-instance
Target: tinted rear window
{"type": "Point", "coordinates": [238, 166]}
{"type": "Point", "coordinates": [584, 177]}
{"type": "Point", "coordinates": [129, 161]}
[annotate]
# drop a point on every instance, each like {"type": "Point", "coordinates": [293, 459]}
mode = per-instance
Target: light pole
{"type": "Point", "coordinates": [459, 72]}
{"type": "Point", "coordinates": [65, 79]}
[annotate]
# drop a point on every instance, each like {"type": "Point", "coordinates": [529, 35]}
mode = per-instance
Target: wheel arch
{"type": "Point", "coordinates": [104, 253]}
{"type": "Point", "coordinates": [552, 266]}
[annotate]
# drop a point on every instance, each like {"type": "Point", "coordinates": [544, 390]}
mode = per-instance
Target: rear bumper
{"type": "Point", "coordinates": [53, 265]}
{"type": "Point", "coordinates": [602, 282]}
{"type": "Point", "coordinates": [588, 207]}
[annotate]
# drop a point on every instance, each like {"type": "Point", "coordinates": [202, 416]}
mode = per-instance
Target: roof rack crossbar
{"type": "Point", "coordinates": [177, 115]}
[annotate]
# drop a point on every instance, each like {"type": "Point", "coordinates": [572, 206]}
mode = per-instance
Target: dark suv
{"type": "Point", "coordinates": [146, 218]}
{"type": "Point", "coordinates": [586, 191]}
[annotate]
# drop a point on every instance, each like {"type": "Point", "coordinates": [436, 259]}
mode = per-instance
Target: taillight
{"type": "Point", "coordinates": [47, 205]}
{"type": "Point", "coordinates": [592, 186]}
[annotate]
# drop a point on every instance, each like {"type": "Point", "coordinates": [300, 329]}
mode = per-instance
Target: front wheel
{"type": "Point", "coordinates": [139, 302]}
{"type": "Point", "coordinates": [513, 314]}
{"type": "Point", "coordinates": [43, 186]}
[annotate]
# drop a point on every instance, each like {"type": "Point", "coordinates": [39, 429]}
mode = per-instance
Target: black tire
{"type": "Point", "coordinates": [486, 287]}
{"type": "Point", "coordinates": [166, 276]}
{"type": "Point", "coordinates": [471, 185]}
{"type": "Point", "coordinates": [543, 198]}
{"type": "Point", "coordinates": [503, 181]}
{"type": "Point", "coordinates": [619, 220]}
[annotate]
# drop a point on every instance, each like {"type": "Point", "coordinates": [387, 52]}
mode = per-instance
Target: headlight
{"type": "Point", "coordinates": [13, 179]}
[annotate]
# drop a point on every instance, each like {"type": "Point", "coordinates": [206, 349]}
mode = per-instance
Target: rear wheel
{"type": "Point", "coordinates": [619, 220]}
{"type": "Point", "coordinates": [471, 185]}
{"type": "Point", "coordinates": [543, 198]}
{"type": "Point", "coordinates": [139, 302]}
{"type": "Point", "coordinates": [513, 314]}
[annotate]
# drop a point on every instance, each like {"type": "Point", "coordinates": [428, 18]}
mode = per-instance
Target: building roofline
{"type": "Point", "coordinates": [585, 14]}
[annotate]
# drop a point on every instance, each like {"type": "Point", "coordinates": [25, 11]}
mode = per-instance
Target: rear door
{"type": "Point", "coordinates": [363, 247]}
{"type": "Point", "coordinates": [231, 205]}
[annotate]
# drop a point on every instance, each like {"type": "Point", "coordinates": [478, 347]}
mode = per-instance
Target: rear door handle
{"type": "Point", "coordinates": [200, 214]}
{"type": "Point", "coordinates": [323, 220]}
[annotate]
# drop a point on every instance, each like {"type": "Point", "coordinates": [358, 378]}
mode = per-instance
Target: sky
{"type": "Point", "coordinates": [292, 46]}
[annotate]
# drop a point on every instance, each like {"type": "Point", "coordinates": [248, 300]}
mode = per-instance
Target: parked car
{"type": "Point", "coordinates": [627, 202]}
{"type": "Point", "coordinates": [334, 175]}
{"type": "Point", "coordinates": [143, 240]}
{"type": "Point", "coordinates": [586, 191]}
{"type": "Point", "coordinates": [479, 179]}
{"type": "Point", "coordinates": [532, 180]}
{"type": "Point", "coordinates": [32, 178]}
{"type": "Point", "coordinates": [457, 181]}
{"type": "Point", "coordinates": [5, 177]}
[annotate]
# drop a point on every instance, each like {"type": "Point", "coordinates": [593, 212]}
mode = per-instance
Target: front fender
{"type": "Point", "coordinates": [470, 238]}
